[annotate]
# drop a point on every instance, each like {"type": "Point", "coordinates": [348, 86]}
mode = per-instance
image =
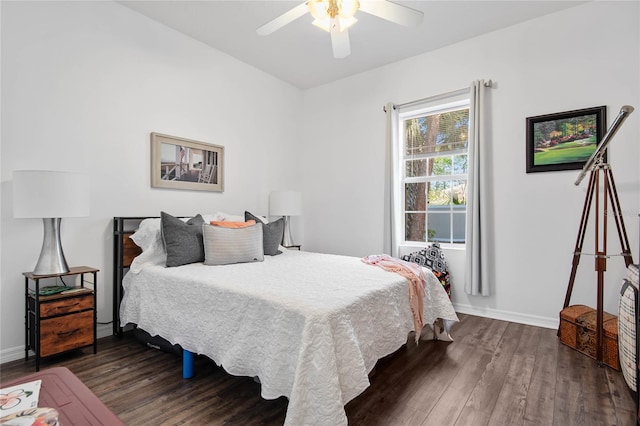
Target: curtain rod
{"type": "Point", "coordinates": [487, 83]}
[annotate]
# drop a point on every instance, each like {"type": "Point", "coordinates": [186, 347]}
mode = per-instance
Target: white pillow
{"type": "Point", "coordinates": [224, 217]}
{"type": "Point", "coordinates": [223, 246]}
{"type": "Point", "coordinates": [221, 216]}
{"type": "Point", "coordinates": [149, 239]}
{"type": "Point", "coordinates": [147, 234]}
{"type": "Point", "coordinates": [262, 218]}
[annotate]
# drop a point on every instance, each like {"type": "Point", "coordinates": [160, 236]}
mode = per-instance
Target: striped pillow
{"type": "Point", "coordinates": [224, 246]}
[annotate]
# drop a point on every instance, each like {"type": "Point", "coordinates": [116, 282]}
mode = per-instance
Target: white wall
{"type": "Point", "coordinates": [83, 85]}
{"type": "Point", "coordinates": [582, 57]}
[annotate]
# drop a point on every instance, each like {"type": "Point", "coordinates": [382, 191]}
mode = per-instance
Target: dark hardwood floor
{"type": "Point", "coordinates": [495, 373]}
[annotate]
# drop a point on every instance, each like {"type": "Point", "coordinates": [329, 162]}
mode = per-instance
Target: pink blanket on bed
{"type": "Point", "coordinates": [417, 282]}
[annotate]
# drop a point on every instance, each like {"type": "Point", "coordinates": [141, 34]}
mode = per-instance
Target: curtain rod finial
{"type": "Point", "coordinates": [488, 83]}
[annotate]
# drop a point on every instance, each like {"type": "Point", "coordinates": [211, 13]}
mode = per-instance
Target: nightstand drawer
{"type": "Point", "coordinates": [67, 305]}
{"type": "Point", "coordinates": [66, 332]}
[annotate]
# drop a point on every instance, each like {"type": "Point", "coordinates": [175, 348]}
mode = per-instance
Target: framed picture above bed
{"type": "Point", "coordinates": [564, 140]}
{"type": "Point", "coordinates": [180, 163]}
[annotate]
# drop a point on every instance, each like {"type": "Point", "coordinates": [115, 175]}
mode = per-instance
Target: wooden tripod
{"type": "Point", "coordinates": [602, 200]}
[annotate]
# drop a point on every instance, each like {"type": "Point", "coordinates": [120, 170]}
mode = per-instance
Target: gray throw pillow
{"type": "Point", "coordinates": [224, 246]}
{"type": "Point", "coordinates": [272, 233]}
{"type": "Point", "coordinates": [182, 240]}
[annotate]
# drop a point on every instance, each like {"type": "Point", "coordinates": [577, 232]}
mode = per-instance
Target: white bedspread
{"type": "Point", "coordinates": [310, 326]}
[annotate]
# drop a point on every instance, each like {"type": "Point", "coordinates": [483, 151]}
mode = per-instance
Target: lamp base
{"type": "Point", "coordinates": [51, 261]}
{"type": "Point", "coordinates": [287, 241]}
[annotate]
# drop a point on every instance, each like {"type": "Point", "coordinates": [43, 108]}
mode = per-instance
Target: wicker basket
{"type": "Point", "coordinates": [578, 331]}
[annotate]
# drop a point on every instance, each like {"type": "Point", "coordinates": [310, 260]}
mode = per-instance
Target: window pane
{"type": "Point", "coordinates": [440, 166]}
{"type": "Point", "coordinates": [439, 193]}
{"type": "Point", "coordinates": [459, 192]}
{"type": "Point", "coordinates": [414, 227]}
{"type": "Point", "coordinates": [415, 168]}
{"type": "Point", "coordinates": [454, 130]}
{"type": "Point", "coordinates": [414, 197]}
{"type": "Point", "coordinates": [460, 164]}
{"type": "Point", "coordinates": [439, 226]}
{"type": "Point", "coordinates": [436, 133]}
{"type": "Point", "coordinates": [414, 136]}
{"type": "Point", "coordinates": [459, 225]}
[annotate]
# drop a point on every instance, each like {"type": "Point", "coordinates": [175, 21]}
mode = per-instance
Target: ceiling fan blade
{"type": "Point", "coordinates": [340, 42]}
{"type": "Point", "coordinates": [393, 12]}
{"type": "Point", "coordinates": [283, 19]}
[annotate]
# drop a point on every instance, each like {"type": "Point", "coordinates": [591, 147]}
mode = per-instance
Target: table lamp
{"type": "Point", "coordinates": [285, 204]}
{"type": "Point", "coordinates": [50, 195]}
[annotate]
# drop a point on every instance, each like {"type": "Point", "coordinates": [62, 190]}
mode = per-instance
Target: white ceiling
{"type": "Point", "coordinates": [301, 54]}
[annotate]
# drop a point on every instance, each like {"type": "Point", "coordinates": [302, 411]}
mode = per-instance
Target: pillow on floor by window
{"type": "Point", "coordinates": [272, 233]}
{"type": "Point", "coordinates": [224, 246]}
{"type": "Point", "coordinates": [432, 257]}
{"type": "Point", "coordinates": [182, 240]}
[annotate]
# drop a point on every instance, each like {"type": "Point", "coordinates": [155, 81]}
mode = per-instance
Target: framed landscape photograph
{"type": "Point", "coordinates": [180, 163]}
{"type": "Point", "coordinates": [564, 140]}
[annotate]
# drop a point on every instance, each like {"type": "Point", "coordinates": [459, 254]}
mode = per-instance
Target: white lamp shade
{"type": "Point", "coordinates": [50, 194]}
{"type": "Point", "coordinates": [285, 203]}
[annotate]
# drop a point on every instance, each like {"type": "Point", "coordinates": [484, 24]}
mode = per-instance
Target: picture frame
{"type": "Point", "coordinates": [180, 163]}
{"type": "Point", "coordinates": [564, 140]}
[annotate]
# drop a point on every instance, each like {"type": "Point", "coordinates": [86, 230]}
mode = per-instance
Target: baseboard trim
{"type": "Point", "coordinates": [11, 354]}
{"type": "Point", "coordinates": [16, 353]}
{"type": "Point", "coordinates": [517, 317]}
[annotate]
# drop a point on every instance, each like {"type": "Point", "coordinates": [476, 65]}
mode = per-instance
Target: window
{"type": "Point", "coordinates": [433, 170]}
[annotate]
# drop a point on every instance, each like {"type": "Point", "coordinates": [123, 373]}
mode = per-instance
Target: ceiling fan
{"type": "Point", "coordinates": [336, 16]}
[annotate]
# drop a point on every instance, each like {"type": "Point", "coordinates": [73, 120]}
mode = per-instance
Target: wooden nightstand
{"type": "Point", "coordinates": [60, 322]}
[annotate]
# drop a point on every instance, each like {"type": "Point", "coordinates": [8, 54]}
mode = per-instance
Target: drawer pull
{"type": "Point", "coordinates": [66, 333]}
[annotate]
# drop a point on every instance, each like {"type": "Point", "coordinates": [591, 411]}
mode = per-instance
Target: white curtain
{"type": "Point", "coordinates": [476, 281]}
{"type": "Point", "coordinates": [391, 229]}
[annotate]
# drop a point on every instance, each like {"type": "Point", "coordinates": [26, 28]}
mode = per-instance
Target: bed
{"type": "Point", "coordinates": [308, 326]}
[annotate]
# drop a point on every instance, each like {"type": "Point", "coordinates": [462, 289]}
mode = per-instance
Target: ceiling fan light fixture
{"type": "Point", "coordinates": [327, 23]}
{"type": "Point", "coordinates": [346, 22]}
{"type": "Point", "coordinates": [348, 8]}
{"type": "Point", "coordinates": [324, 24]}
{"type": "Point", "coordinates": [328, 9]}
{"type": "Point", "coordinates": [318, 9]}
